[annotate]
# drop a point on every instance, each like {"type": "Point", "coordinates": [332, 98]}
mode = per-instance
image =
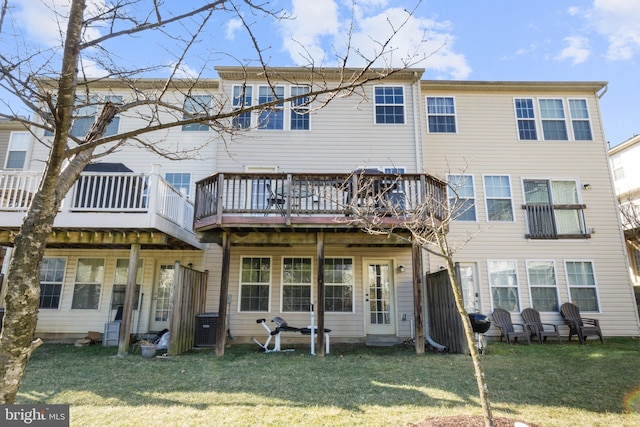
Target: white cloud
{"type": "Point", "coordinates": [577, 50]}
{"type": "Point", "coordinates": [617, 20]}
{"type": "Point", "coordinates": [232, 28]}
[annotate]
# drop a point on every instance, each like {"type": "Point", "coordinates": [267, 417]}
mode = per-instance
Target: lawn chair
{"type": "Point", "coordinates": [532, 320]}
{"type": "Point", "coordinates": [502, 319]}
{"type": "Point", "coordinates": [580, 326]}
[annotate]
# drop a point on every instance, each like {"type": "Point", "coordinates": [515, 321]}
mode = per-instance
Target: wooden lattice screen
{"type": "Point", "coordinates": [189, 299]}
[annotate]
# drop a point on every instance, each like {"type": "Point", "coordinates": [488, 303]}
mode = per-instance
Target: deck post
{"type": "Point", "coordinates": [129, 300]}
{"type": "Point", "coordinates": [320, 301]}
{"type": "Point", "coordinates": [416, 260]}
{"type": "Point", "coordinates": [221, 337]}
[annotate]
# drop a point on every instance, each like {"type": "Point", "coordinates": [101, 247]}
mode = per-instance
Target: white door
{"type": "Point", "coordinates": [470, 291]}
{"type": "Point", "coordinates": [162, 298]}
{"type": "Point", "coordinates": [379, 299]}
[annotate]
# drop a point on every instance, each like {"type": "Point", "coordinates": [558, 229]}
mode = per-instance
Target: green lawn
{"type": "Point", "coordinates": [555, 384]}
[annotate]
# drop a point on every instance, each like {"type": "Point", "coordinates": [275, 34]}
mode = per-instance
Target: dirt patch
{"type": "Point", "coordinates": [470, 421]}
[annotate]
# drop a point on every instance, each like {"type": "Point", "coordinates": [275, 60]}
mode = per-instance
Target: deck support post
{"type": "Point", "coordinates": [416, 259]}
{"type": "Point", "coordinates": [320, 302]}
{"type": "Point", "coordinates": [221, 336]}
{"type": "Point", "coordinates": [129, 300]}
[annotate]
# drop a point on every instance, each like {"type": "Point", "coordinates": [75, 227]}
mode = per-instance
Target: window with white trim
{"type": "Point", "coordinates": [181, 181]}
{"type": "Point", "coordinates": [543, 285]}
{"type": "Point", "coordinates": [19, 144]}
{"type": "Point", "coordinates": [497, 189]}
{"type": "Point", "coordinates": [389, 104]}
{"type": "Point", "coordinates": [462, 200]}
{"type": "Point", "coordinates": [120, 283]}
{"type": "Point", "coordinates": [51, 280]}
{"type": "Point", "coordinates": [88, 283]}
{"type": "Point", "coordinates": [554, 125]}
{"type": "Point", "coordinates": [582, 285]}
{"type": "Point", "coordinates": [617, 166]}
{"type": "Point", "coordinates": [580, 120]}
{"type": "Point", "coordinates": [441, 114]}
{"type": "Point", "coordinates": [255, 283]}
{"type": "Point", "coordinates": [196, 106]}
{"type": "Point", "coordinates": [338, 279]}
{"type": "Point", "coordinates": [271, 118]}
{"type": "Point", "coordinates": [300, 108]}
{"type": "Point", "coordinates": [242, 98]}
{"type": "Point", "coordinates": [503, 280]}
{"type": "Point", "coordinates": [526, 118]}
{"type": "Point", "coordinates": [296, 284]}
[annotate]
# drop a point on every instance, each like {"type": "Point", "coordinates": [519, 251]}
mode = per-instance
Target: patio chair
{"type": "Point", "coordinates": [578, 325]}
{"type": "Point", "coordinates": [502, 319]}
{"type": "Point", "coordinates": [538, 329]}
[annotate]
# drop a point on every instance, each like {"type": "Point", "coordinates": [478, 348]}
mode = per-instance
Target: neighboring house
{"type": "Point", "coordinates": [624, 159]}
{"type": "Point", "coordinates": [271, 208]}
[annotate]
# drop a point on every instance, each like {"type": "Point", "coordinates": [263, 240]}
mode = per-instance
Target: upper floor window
{"type": "Point", "coordinates": [580, 120]}
{"type": "Point", "coordinates": [553, 209]}
{"type": "Point", "coordinates": [617, 167]}
{"type": "Point", "coordinates": [296, 284]}
{"type": "Point", "coordinates": [271, 117]}
{"type": "Point", "coordinates": [196, 106]}
{"type": "Point", "coordinates": [179, 181]}
{"type": "Point", "coordinates": [582, 285]}
{"type": "Point", "coordinates": [441, 115]}
{"type": "Point", "coordinates": [389, 104]}
{"type": "Point", "coordinates": [255, 283]}
{"type": "Point", "coordinates": [86, 112]}
{"type": "Point", "coordinates": [526, 119]}
{"type": "Point", "coordinates": [497, 190]}
{"type": "Point", "coordinates": [300, 108]}
{"type": "Point", "coordinates": [19, 143]}
{"type": "Point", "coordinates": [554, 126]}
{"type": "Point", "coordinates": [242, 98]}
{"type": "Point", "coordinates": [462, 200]}
{"type": "Point", "coordinates": [51, 280]}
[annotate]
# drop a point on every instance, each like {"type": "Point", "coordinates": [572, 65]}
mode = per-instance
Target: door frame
{"type": "Point", "coordinates": [154, 295]}
{"type": "Point", "coordinates": [392, 329]}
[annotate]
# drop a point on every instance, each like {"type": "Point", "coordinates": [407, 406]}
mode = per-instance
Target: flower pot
{"type": "Point", "coordinates": [148, 351]}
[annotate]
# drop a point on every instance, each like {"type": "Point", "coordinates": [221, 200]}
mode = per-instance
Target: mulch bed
{"type": "Point", "coordinates": [469, 421]}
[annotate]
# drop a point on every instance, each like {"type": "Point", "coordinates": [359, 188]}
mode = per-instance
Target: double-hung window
{"type": "Point", "coordinates": [441, 114]}
{"type": "Point", "coordinates": [554, 125]}
{"type": "Point", "coordinates": [543, 285]}
{"type": "Point", "coordinates": [296, 284]}
{"type": "Point", "coordinates": [497, 190]}
{"type": "Point", "coordinates": [582, 285]}
{"type": "Point", "coordinates": [338, 279]}
{"type": "Point", "coordinates": [181, 181]}
{"type": "Point", "coordinates": [462, 200]}
{"type": "Point", "coordinates": [120, 283]}
{"type": "Point", "coordinates": [242, 98]}
{"type": "Point", "coordinates": [51, 279]}
{"type": "Point", "coordinates": [196, 106]}
{"type": "Point", "coordinates": [19, 143]}
{"type": "Point", "coordinates": [300, 108]}
{"type": "Point", "coordinates": [271, 117]}
{"type": "Point", "coordinates": [86, 115]}
{"type": "Point", "coordinates": [580, 120]}
{"type": "Point", "coordinates": [88, 284]}
{"type": "Point", "coordinates": [526, 118]}
{"type": "Point", "coordinates": [389, 104]}
{"type": "Point", "coordinates": [503, 279]}
{"type": "Point", "coordinates": [255, 283]}
{"type": "Point", "coordinates": [553, 209]}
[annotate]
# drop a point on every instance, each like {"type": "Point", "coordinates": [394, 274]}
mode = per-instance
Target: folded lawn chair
{"type": "Point", "coordinates": [580, 326]}
{"type": "Point", "coordinates": [536, 328]}
{"type": "Point", "coordinates": [502, 319]}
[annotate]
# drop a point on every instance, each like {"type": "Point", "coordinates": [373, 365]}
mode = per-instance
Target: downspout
{"type": "Point", "coordinates": [417, 121]}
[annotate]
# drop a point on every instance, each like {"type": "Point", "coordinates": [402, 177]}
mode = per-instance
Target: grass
{"type": "Point", "coordinates": [555, 384]}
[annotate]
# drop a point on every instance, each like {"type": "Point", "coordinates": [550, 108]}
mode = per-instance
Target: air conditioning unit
{"type": "Point", "coordinates": [206, 328]}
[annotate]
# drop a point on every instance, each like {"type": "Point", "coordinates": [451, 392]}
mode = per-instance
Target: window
{"type": "Point", "coordinates": [580, 120]}
{"type": "Point", "coordinates": [271, 117]}
{"type": "Point", "coordinates": [553, 210]}
{"type": "Point", "coordinates": [179, 181]}
{"type": "Point", "coordinates": [497, 190]}
{"type": "Point", "coordinates": [554, 126]}
{"type": "Point", "coordinates": [338, 279]}
{"type": "Point", "coordinates": [255, 281]}
{"type": "Point", "coordinates": [89, 276]}
{"type": "Point", "coordinates": [461, 197]}
{"type": "Point", "coordinates": [51, 279]}
{"type": "Point", "coordinates": [120, 284]}
{"type": "Point", "coordinates": [300, 108]}
{"type": "Point", "coordinates": [396, 194]}
{"type": "Point", "coordinates": [296, 284]}
{"type": "Point", "coordinates": [19, 143]}
{"type": "Point", "coordinates": [503, 280]}
{"type": "Point", "coordinates": [242, 98]}
{"type": "Point", "coordinates": [582, 285]}
{"type": "Point", "coordinates": [86, 114]}
{"type": "Point", "coordinates": [441, 115]}
{"type": "Point", "coordinates": [543, 285]}
{"type": "Point", "coordinates": [636, 263]}
{"type": "Point", "coordinates": [469, 286]}
{"type": "Point", "coordinates": [389, 104]}
{"type": "Point", "coordinates": [526, 119]}
{"type": "Point", "coordinates": [196, 106]}
{"type": "Point", "coordinates": [617, 167]}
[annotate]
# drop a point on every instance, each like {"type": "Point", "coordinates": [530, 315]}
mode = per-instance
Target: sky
{"type": "Point", "coordinates": [491, 40]}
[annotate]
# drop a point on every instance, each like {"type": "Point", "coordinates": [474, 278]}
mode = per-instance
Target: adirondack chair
{"type": "Point", "coordinates": [538, 329]}
{"type": "Point", "coordinates": [502, 319]}
{"type": "Point", "coordinates": [578, 325]}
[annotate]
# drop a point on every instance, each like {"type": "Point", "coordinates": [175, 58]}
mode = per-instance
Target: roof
{"type": "Point", "coordinates": [635, 139]}
{"type": "Point", "coordinates": [513, 86]}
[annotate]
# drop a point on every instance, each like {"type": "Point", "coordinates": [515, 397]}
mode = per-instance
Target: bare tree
{"type": "Point", "coordinates": [382, 206]}
{"type": "Point", "coordinates": [55, 84]}
{"type": "Point", "coordinates": [629, 205]}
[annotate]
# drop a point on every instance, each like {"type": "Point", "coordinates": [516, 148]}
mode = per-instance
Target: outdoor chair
{"type": "Point", "coordinates": [509, 330]}
{"type": "Point", "coordinates": [578, 325]}
{"type": "Point", "coordinates": [538, 329]}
